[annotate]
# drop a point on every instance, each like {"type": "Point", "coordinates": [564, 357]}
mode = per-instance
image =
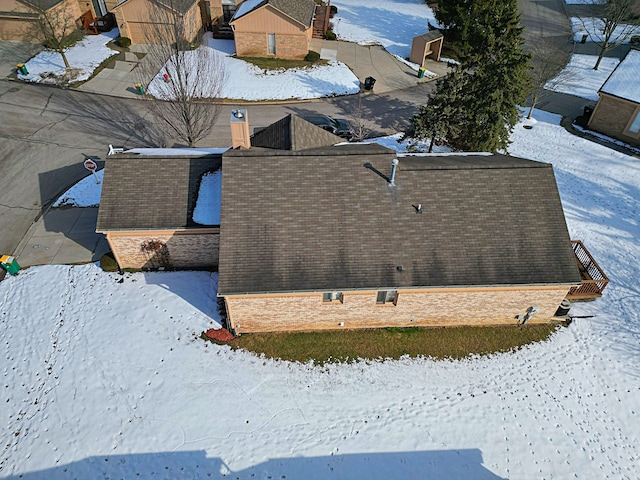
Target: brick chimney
{"type": "Point", "coordinates": [240, 129]}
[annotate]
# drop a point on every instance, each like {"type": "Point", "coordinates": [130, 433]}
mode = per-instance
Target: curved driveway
{"type": "Point", "coordinates": [46, 133]}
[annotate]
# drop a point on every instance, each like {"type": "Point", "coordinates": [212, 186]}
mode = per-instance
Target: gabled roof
{"type": "Point", "coordinates": [293, 133]}
{"type": "Point", "coordinates": [624, 81]}
{"type": "Point", "coordinates": [328, 220]}
{"type": "Point", "coordinates": [151, 193]}
{"type": "Point", "coordinates": [180, 6]}
{"type": "Point", "coordinates": [300, 10]}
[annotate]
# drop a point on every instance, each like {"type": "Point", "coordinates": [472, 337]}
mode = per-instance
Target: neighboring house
{"type": "Point", "coordinates": [146, 211]}
{"type": "Point", "coordinates": [18, 18]}
{"type": "Point", "coordinates": [324, 236]}
{"type": "Point", "coordinates": [617, 113]}
{"type": "Point", "coordinates": [139, 20]}
{"type": "Point", "coordinates": [273, 28]}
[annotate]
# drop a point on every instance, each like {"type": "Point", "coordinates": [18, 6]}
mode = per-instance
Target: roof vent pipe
{"type": "Point", "coordinates": [394, 165]}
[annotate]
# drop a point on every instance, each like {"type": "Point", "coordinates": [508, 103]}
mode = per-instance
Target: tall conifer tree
{"type": "Point", "coordinates": [491, 79]}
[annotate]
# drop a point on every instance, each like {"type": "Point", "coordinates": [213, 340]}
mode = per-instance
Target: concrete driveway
{"type": "Point", "coordinates": [12, 52]}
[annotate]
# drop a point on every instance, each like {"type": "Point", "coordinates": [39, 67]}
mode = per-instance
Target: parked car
{"type": "Point", "coordinates": [337, 126]}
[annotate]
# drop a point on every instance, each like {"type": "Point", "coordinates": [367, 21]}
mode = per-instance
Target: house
{"type": "Point", "coordinates": [148, 21]}
{"type": "Point", "coordinates": [273, 28]}
{"type": "Point", "coordinates": [147, 209]}
{"type": "Point", "coordinates": [617, 113]}
{"type": "Point", "coordinates": [315, 233]}
{"type": "Point", "coordinates": [325, 236]}
{"type": "Point", "coordinates": [18, 18]}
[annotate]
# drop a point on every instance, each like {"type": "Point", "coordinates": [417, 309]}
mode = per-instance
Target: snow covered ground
{"type": "Point", "coordinates": [104, 376]}
{"type": "Point", "coordinates": [85, 56]}
{"type": "Point", "coordinates": [593, 27]}
{"type": "Point", "coordinates": [390, 23]}
{"type": "Point", "coordinates": [580, 79]}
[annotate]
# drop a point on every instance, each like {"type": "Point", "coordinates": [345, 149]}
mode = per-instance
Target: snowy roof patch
{"type": "Point", "coordinates": [207, 210]}
{"type": "Point", "coordinates": [624, 81]}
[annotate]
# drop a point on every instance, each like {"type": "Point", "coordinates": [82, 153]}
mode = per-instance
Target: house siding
{"type": "Point", "coordinates": [184, 249]}
{"type": "Point", "coordinates": [251, 34]}
{"type": "Point", "coordinates": [612, 116]}
{"type": "Point", "coordinates": [436, 307]}
{"type": "Point", "coordinates": [17, 28]}
{"type": "Point", "coordinates": [135, 21]}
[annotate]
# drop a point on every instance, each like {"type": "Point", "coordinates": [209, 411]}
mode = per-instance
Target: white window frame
{"type": "Point", "coordinates": [332, 297]}
{"type": "Point", "coordinates": [390, 297]}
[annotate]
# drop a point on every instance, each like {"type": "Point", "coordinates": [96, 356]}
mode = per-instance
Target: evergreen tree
{"type": "Point", "coordinates": [481, 94]}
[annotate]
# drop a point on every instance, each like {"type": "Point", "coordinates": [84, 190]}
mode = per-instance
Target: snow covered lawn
{"type": "Point", "coordinates": [580, 79]}
{"type": "Point", "coordinates": [390, 23]}
{"type": "Point", "coordinates": [85, 56]}
{"type": "Point", "coordinates": [592, 27]}
{"type": "Point", "coordinates": [103, 379]}
{"type": "Point", "coordinates": [245, 81]}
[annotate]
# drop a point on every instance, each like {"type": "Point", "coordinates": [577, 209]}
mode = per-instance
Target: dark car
{"type": "Point", "coordinates": [337, 126]}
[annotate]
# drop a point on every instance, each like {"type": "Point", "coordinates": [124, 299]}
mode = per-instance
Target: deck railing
{"type": "Point", "coordinates": [594, 280]}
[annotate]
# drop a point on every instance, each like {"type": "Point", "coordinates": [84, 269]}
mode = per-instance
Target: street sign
{"type": "Point", "coordinates": [90, 165]}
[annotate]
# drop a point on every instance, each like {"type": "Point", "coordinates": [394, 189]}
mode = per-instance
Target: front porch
{"type": "Point", "coordinates": [594, 280]}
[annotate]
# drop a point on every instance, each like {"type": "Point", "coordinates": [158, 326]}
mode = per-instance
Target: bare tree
{"type": "Point", "coordinates": [546, 72]}
{"type": "Point", "coordinates": [359, 125]}
{"type": "Point", "coordinates": [183, 75]}
{"type": "Point", "coordinates": [55, 22]}
{"type": "Point", "coordinates": [615, 23]}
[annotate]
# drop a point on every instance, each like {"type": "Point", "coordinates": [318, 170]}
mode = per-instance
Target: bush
{"type": "Point", "coordinates": [108, 263]}
{"type": "Point", "coordinates": [332, 11]}
{"type": "Point", "coordinates": [312, 56]}
{"type": "Point", "coordinates": [330, 35]}
{"type": "Point", "coordinates": [123, 42]}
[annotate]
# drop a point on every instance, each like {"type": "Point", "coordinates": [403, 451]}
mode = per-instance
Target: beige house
{"type": "Point", "coordinates": [18, 17]}
{"type": "Point", "coordinates": [147, 211]}
{"type": "Point", "coordinates": [617, 113]}
{"type": "Point", "coordinates": [139, 20]}
{"type": "Point", "coordinates": [273, 28]}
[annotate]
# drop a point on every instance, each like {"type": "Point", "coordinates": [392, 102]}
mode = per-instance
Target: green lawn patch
{"type": "Point", "coordinates": [346, 345]}
{"type": "Point", "coordinates": [280, 63]}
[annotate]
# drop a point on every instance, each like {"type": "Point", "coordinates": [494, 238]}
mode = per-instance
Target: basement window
{"type": "Point", "coordinates": [634, 127]}
{"type": "Point", "coordinates": [330, 297]}
{"type": "Point", "coordinates": [387, 297]}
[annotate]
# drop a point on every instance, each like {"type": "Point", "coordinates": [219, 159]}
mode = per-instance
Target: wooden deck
{"type": "Point", "coordinates": [594, 280]}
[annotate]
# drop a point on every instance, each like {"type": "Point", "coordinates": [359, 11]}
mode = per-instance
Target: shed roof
{"type": "Point", "coordinates": [300, 10]}
{"type": "Point", "coordinates": [328, 220]}
{"type": "Point", "coordinates": [624, 81]}
{"type": "Point", "coordinates": [151, 193]}
{"type": "Point", "coordinates": [431, 35]}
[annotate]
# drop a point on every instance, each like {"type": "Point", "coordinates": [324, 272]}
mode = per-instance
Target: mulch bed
{"type": "Point", "coordinates": [219, 335]}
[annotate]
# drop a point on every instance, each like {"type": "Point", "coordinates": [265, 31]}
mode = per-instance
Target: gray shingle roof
{"type": "Point", "coordinates": [300, 10]}
{"type": "Point", "coordinates": [146, 192]}
{"type": "Point", "coordinates": [623, 81]}
{"type": "Point", "coordinates": [293, 133]}
{"type": "Point", "coordinates": [327, 219]}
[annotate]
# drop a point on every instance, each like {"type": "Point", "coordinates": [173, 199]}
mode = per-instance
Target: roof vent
{"type": "Point", "coordinates": [394, 166]}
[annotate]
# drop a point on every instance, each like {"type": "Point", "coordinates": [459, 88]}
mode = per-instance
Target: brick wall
{"type": "Point", "coordinates": [441, 307]}
{"type": "Point", "coordinates": [612, 116]}
{"type": "Point", "coordinates": [168, 249]}
{"type": "Point", "coordinates": [252, 44]}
